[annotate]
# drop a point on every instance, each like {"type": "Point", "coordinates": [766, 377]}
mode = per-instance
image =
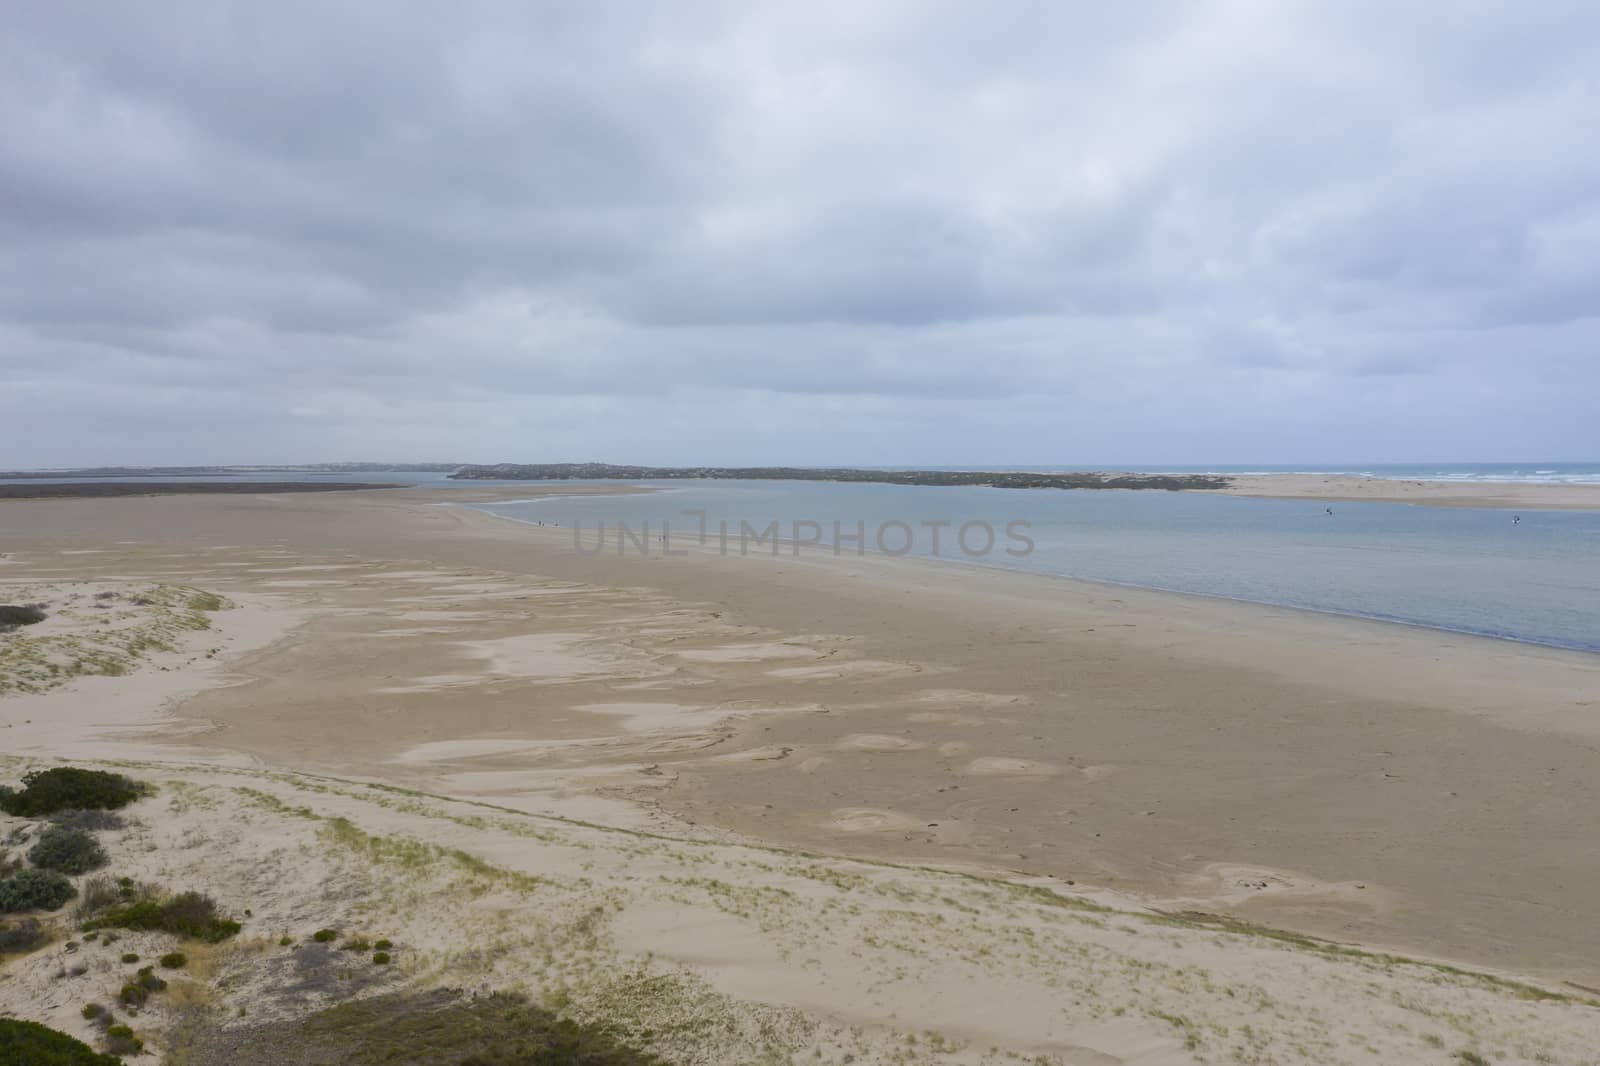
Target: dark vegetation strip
{"type": "Point", "coordinates": [1001, 479]}
{"type": "Point", "coordinates": [175, 488]}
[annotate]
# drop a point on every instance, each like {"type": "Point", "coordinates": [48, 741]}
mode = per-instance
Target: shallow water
{"type": "Point", "coordinates": [1463, 569]}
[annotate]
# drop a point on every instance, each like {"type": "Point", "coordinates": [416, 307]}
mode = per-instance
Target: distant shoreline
{"type": "Point", "coordinates": [79, 490]}
{"type": "Point", "coordinates": [999, 479]}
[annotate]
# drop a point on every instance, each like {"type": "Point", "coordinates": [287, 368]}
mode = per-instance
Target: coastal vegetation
{"type": "Point", "coordinates": [498, 1029]}
{"type": "Point", "coordinates": [35, 890]}
{"type": "Point", "coordinates": [68, 851]}
{"type": "Point", "coordinates": [39, 1045]}
{"type": "Point", "coordinates": [187, 914]}
{"type": "Point", "coordinates": [999, 479]}
{"type": "Point", "coordinates": [15, 616]}
{"type": "Point", "coordinates": [63, 788]}
{"type": "Point", "coordinates": [106, 635]}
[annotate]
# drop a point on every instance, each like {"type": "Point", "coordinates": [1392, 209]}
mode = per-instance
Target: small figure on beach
{"type": "Point", "coordinates": [1516, 520]}
{"type": "Point", "coordinates": [1328, 509]}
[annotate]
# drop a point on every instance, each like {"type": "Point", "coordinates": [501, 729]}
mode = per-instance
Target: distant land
{"type": "Point", "coordinates": [988, 478]}
{"type": "Point", "coordinates": [223, 471]}
{"type": "Point", "coordinates": [44, 491]}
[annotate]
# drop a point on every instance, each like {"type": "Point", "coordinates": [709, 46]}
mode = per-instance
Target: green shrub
{"type": "Point", "coordinates": [22, 936]}
{"type": "Point", "coordinates": [30, 890]}
{"type": "Point", "coordinates": [187, 914]}
{"type": "Point", "coordinates": [174, 960]}
{"type": "Point", "coordinates": [130, 957]}
{"type": "Point", "coordinates": [71, 851]}
{"type": "Point", "coordinates": [384, 945]}
{"type": "Point", "coordinates": [91, 1011]}
{"type": "Point", "coordinates": [38, 1045]}
{"type": "Point", "coordinates": [121, 1041]}
{"type": "Point", "coordinates": [13, 615]}
{"type": "Point", "coordinates": [133, 995]}
{"type": "Point", "coordinates": [323, 936]}
{"type": "Point", "coordinates": [68, 787]}
{"type": "Point", "coordinates": [149, 981]}
{"type": "Point", "coordinates": [381, 958]}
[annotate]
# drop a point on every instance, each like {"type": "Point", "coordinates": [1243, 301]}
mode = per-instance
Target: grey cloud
{"type": "Point", "coordinates": [1014, 232]}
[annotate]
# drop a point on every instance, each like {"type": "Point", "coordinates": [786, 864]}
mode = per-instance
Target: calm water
{"type": "Point", "coordinates": [1467, 570]}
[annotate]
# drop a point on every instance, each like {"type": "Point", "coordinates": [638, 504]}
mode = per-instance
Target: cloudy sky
{"type": "Point", "coordinates": [864, 231]}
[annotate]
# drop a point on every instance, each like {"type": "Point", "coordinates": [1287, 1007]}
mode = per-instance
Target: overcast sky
{"type": "Point", "coordinates": [872, 232]}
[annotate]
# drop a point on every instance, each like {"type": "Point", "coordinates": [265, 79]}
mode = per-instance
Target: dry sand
{"type": "Point", "coordinates": [1389, 787]}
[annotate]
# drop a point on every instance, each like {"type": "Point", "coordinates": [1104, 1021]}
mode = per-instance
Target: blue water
{"type": "Point", "coordinates": [1461, 569]}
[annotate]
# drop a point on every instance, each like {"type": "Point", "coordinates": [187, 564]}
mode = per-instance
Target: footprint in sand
{"type": "Point", "coordinates": [878, 743]}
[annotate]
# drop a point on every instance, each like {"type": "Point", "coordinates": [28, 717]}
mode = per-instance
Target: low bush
{"type": "Point", "coordinates": [174, 960]}
{"type": "Point", "coordinates": [324, 936]}
{"type": "Point", "coordinates": [13, 615]}
{"type": "Point", "coordinates": [149, 981]}
{"type": "Point", "coordinates": [381, 958]}
{"type": "Point", "coordinates": [188, 914]}
{"type": "Point", "coordinates": [91, 1011]}
{"type": "Point", "coordinates": [89, 821]}
{"type": "Point", "coordinates": [22, 936]}
{"type": "Point", "coordinates": [384, 945]}
{"type": "Point", "coordinates": [38, 1045]}
{"type": "Point", "coordinates": [31, 890]}
{"type": "Point", "coordinates": [133, 995]}
{"type": "Point", "coordinates": [68, 787]}
{"type": "Point", "coordinates": [121, 1041]}
{"type": "Point", "coordinates": [71, 851]}
{"type": "Point", "coordinates": [130, 957]}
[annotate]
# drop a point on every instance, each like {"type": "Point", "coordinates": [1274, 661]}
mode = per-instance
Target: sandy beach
{"type": "Point", "coordinates": [847, 801]}
{"type": "Point", "coordinates": [1503, 495]}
